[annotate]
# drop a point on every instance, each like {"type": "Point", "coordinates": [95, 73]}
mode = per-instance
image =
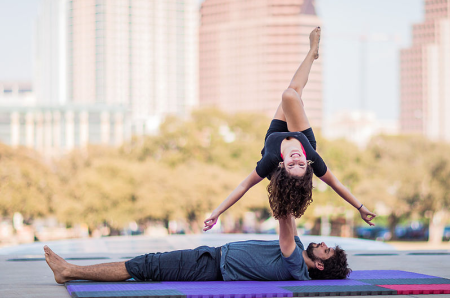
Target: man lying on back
{"type": "Point", "coordinates": [283, 259]}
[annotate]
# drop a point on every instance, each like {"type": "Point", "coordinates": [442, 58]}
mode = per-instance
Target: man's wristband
{"type": "Point", "coordinates": [360, 207]}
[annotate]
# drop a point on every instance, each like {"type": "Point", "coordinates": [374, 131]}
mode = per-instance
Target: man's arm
{"type": "Point", "coordinates": [287, 232]}
{"type": "Point", "coordinates": [294, 226]}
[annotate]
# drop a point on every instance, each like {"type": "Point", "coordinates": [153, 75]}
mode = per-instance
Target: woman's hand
{"type": "Point", "coordinates": [344, 193]}
{"type": "Point", "coordinates": [211, 221]}
{"type": "Point", "coordinates": [367, 216]}
{"type": "Point", "coordinates": [235, 196]}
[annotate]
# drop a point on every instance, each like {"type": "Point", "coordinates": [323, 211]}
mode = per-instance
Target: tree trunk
{"type": "Point", "coordinates": [436, 229]}
{"type": "Point", "coordinates": [393, 221]}
{"type": "Point", "coordinates": [325, 226]}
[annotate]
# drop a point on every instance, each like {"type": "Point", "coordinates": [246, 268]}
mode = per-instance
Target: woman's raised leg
{"type": "Point", "coordinates": [291, 108]}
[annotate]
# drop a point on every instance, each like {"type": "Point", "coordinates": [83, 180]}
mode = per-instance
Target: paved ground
{"type": "Point", "coordinates": [35, 279]}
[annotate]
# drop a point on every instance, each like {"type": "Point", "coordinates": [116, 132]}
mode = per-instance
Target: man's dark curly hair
{"type": "Point", "coordinates": [290, 194]}
{"type": "Point", "coordinates": [335, 267]}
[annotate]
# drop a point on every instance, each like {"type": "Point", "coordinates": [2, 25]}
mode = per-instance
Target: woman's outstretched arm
{"type": "Point", "coordinates": [342, 191]}
{"type": "Point", "coordinates": [234, 196]}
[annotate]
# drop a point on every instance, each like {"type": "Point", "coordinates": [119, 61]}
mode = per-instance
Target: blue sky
{"type": "Point", "coordinates": [386, 23]}
{"type": "Point", "coordinates": [16, 33]}
{"type": "Point", "coordinates": [387, 26]}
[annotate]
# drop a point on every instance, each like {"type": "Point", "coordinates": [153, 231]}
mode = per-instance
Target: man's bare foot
{"type": "Point", "coordinates": [58, 265]}
{"type": "Point", "coordinates": [314, 40]}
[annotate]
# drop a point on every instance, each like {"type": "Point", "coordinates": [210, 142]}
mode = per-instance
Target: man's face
{"type": "Point", "coordinates": [319, 251]}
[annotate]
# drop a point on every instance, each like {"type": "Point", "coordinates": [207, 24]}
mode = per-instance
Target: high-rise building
{"type": "Point", "coordinates": [50, 53]}
{"type": "Point", "coordinates": [136, 53]}
{"type": "Point", "coordinates": [425, 75]}
{"type": "Point", "coordinates": [140, 55]}
{"type": "Point", "coordinates": [249, 51]}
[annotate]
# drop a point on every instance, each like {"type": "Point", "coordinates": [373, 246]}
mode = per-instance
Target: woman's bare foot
{"type": "Point", "coordinates": [58, 265]}
{"type": "Point", "coordinates": [314, 40]}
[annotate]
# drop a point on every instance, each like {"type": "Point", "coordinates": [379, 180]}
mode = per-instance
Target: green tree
{"type": "Point", "coordinates": [27, 185]}
{"type": "Point", "coordinates": [413, 170]}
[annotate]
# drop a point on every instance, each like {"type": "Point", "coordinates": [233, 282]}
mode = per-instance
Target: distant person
{"type": "Point", "coordinates": [283, 259]}
{"type": "Point", "coordinates": [289, 156]}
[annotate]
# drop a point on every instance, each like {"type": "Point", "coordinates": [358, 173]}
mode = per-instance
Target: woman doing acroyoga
{"type": "Point", "coordinates": [289, 156]}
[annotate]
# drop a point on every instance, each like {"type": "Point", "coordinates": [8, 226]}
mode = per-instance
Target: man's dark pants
{"type": "Point", "coordinates": [200, 264]}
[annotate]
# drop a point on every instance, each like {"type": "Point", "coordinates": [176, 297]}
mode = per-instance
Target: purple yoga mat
{"type": "Point", "coordinates": [355, 285]}
{"type": "Point", "coordinates": [212, 287]}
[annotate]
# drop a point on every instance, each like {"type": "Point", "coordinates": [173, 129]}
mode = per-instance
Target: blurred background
{"type": "Point", "coordinates": [129, 117]}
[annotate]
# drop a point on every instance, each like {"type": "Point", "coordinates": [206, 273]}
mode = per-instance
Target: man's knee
{"type": "Point", "coordinates": [139, 266]}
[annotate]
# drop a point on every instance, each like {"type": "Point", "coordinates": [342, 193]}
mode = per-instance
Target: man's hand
{"type": "Point", "coordinates": [367, 216]}
{"type": "Point", "coordinates": [210, 221]}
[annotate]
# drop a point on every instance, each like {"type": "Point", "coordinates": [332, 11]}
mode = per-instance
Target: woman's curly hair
{"type": "Point", "coordinates": [290, 194]}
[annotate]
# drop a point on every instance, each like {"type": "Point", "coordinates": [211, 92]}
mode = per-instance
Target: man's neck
{"type": "Point", "coordinates": [309, 263]}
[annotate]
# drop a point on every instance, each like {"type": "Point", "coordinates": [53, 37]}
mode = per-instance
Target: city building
{"type": "Point", "coordinates": [138, 54]}
{"type": "Point", "coordinates": [16, 93]}
{"type": "Point", "coordinates": [357, 126]}
{"type": "Point", "coordinates": [56, 129]}
{"type": "Point", "coordinates": [249, 51]}
{"type": "Point", "coordinates": [50, 53]}
{"type": "Point", "coordinates": [425, 75]}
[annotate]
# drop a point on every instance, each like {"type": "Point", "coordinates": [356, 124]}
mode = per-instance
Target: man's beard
{"type": "Point", "coordinates": [310, 253]}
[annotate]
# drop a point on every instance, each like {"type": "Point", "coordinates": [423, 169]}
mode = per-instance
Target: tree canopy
{"type": "Point", "coordinates": [192, 164]}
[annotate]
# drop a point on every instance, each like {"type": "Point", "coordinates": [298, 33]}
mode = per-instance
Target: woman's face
{"type": "Point", "coordinates": [295, 162]}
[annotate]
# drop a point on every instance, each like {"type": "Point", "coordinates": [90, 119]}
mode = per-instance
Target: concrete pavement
{"type": "Point", "coordinates": [35, 279]}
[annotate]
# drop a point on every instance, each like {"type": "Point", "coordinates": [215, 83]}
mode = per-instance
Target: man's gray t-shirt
{"type": "Point", "coordinates": [262, 260]}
